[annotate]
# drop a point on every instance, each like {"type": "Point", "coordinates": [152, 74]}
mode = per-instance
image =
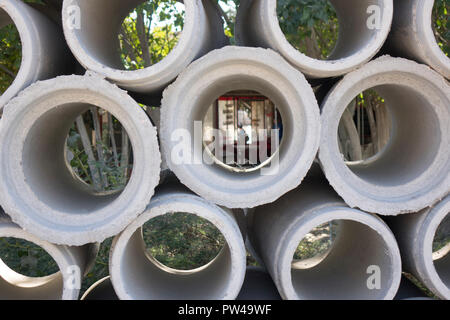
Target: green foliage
{"type": "Point", "coordinates": [182, 241]}
{"type": "Point", "coordinates": [10, 55]}
{"type": "Point", "coordinates": [317, 241]}
{"type": "Point", "coordinates": [26, 258]}
{"type": "Point", "coordinates": [311, 26]}
{"type": "Point", "coordinates": [441, 24]}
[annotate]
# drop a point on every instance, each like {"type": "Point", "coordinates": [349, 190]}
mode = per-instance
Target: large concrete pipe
{"type": "Point", "coordinates": [44, 51]}
{"type": "Point", "coordinates": [363, 261]}
{"type": "Point", "coordinates": [415, 234]}
{"type": "Point", "coordinates": [412, 35]}
{"type": "Point", "coordinates": [413, 170]}
{"type": "Point", "coordinates": [187, 100]}
{"type": "Point", "coordinates": [359, 37]}
{"type": "Point", "coordinates": [37, 187]}
{"type": "Point", "coordinates": [73, 263]}
{"type": "Point", "coordinates": [96, 46]}
{"type": "Point", "coordinates": [137, 275]}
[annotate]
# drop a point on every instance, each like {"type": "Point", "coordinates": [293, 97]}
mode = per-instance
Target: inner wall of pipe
{"type": "Point", "coordinates": [146, 280]}
{"type": "Point", "coordinates": [45, 167]}
{"type": "Point", "coordinates": [101, 21]}
{"type": "Point", "coordinates": [15, 286]}
{"type": "Point", "coordinates": [242, 82]}
{"type": "Point", "coordinates": [414, 142]}
{"type": "Point", "coordinates": [354, 32]}
{"type": "Point", "coordinates": [344, 270]}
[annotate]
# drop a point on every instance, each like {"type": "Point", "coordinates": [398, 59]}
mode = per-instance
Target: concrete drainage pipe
{"type": "Point", "coordinates": [95, 43]}
{"type": "Point", "coordinates": [363, 252]}
{"type": "Point", "coordinates": [72, 262]}
{"type": "Point", "coordinates": [413, 170]}
{"type": "Point", "coordinates": [415, 234]}
{"type": "Point", "coordinates": [257, 25]}
{"type": "Point", "coordinates": [187, 100]}
{"type": "Point", "coordinates": [137, 276]}
{"type": "Point", "coordinates": [44, 52]}
{"type": "Point", "coordinates": [37, 187]}
{"type": "Point", "coordinates": [412, 35]}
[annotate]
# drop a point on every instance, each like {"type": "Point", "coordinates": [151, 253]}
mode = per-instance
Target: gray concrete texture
{"type": "Point", "coordinates": [410, 178]}
{"type": "Point", "coordinates": [44, 51]}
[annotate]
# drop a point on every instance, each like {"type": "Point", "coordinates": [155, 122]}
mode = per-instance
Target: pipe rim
{"type": "Point", "coordinates": [157, 75]}
{"type": "Point", "coordinates": [231, 189]}
{"type": "Point", "coordinates": [416, 193]}
{"type": "Point", "coordinates": [54, 224]}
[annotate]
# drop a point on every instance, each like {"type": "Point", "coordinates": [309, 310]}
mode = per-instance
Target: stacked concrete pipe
{"type": "Point", "coordinates": [44, 52]}
{"type": "Point", "coordinates": [235, 68]}
{"type": "Point", "coordinates": [364, 243]}
{"type": "Point", "coordinates": [96, 46]}
{"type": "Point", "coordinates": [412, 35]}
{"type": "Point", "coordinates": [257, 25]}
{"type": "Point", "coordinates": [413, 170]}
{"type": "Point", "coordinates": [73, 263]}
{"type": "Point", "coordinates": [415, 234]}
{"type": "Point", "coordinates": [38, 189]}
{"type": "Point", "coordinates": [135, 274]}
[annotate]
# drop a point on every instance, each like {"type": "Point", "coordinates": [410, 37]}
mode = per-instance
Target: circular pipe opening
{"type": "Point", "coordinates": [181, 242]}
{"type": "Point", "coordinates": [436, 249]}
{"type": "Point", "coordinates": [149, 33]}
{"type": "Point", "coordinates": [242, 131]}
{"type": "Point", "coordinates": [406, 174]}
{"type": "Point", "coordinates": [188, 100]}
{"type": "Point", "coordinates": [98, 151]}
{"type": "Point", "coordinates": [30, 269]}
{"type": "Point", "coordinates": [45, 194]}
{"type": "Point", "coordinates": [258, 25]}
{"type": "Point", "coordinates": [10, 51]}
{"type": "Point", "coordinates": [441, 21]}
{"type": "Point", "coordinates": [136, 274]}
{"type": "Point", "coordinates": [414, 143]}
{"type": "Point", "coordinates": [44, 159]}
{"type": "Point", "coordinates": [353, 266]}
{"type": "Point", "coordinates": [312, 30]}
